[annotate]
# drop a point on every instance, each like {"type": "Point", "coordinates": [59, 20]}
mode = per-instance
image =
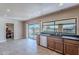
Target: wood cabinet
{"type": "Point", "coordinates": [71, 47]}
{"type": "Point", "coordinates": [55, 44]}
{"type": "Point", "coordinates": [51, 43]}
{"type": "Point", "coordinates": [62, 45]}
{"type": "Point", "coordinates": [59, 45]}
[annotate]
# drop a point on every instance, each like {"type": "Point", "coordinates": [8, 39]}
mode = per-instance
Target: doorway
{"type": "Point", "coordinates": [9, 31]}
{"type": "Point", "coordinates": [33, 30]}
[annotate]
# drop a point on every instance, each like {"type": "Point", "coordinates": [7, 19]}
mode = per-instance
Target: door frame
{"type": "Point", "coordinates": [13, 29]}
{"type": "Point", "coordinates": [32, 24]}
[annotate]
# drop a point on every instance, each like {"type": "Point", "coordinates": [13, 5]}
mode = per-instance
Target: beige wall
{"type": "Point", "coordinates": [24, 30]}
{"type": "Point", "coordinates": [63, 14]}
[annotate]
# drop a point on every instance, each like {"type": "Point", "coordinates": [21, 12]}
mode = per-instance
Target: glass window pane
{"type": "Point", "coordinates": [48, 26]}
{"type": "Point", "coordinates": [69, 28]}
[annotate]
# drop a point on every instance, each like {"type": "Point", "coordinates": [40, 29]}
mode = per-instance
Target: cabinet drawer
{"type": "Point", "coordinates": [71, 41]}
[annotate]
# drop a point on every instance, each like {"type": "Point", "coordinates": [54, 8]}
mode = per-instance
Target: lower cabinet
{"type": "Point", "coordinates": [64, 46]}
{"type": "Point", "coordinates": [59, 46]}
{"type": "Point", "coordinates": [51, 43]}
{"type": "Point", "coordinates": [71, 47]}
{"type": "Point", "coordinates": [55, 44]}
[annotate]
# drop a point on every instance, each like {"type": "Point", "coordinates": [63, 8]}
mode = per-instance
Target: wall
{"type": "Point", "coordinates": [24, 30]}
{"type": "Point", "coordinates": [63, 14]}
{"type": "Point", "coordinates": [17, 29]}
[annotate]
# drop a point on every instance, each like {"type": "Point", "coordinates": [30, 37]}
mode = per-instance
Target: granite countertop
{"type": "Point", "coordinates": [69, 37]}
{"type": "Point", "coordinates": [72, 37]}
{"type": "Point", "coordinates": [45, 34]}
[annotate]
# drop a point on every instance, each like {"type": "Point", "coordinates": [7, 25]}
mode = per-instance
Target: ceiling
{"type": "Point", "coordinates": [26, 11]}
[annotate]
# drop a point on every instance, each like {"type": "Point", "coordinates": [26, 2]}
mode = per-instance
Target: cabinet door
{"type": "Point", "coordinates": [59, 46]}
{"type": "Point", "coordinates": [51, 43]}
{"type": "Point", "coordinates": [70, 49]}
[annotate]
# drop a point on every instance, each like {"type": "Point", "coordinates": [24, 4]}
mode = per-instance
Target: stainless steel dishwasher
{"type": "Point", "coordinates": [43, 40]}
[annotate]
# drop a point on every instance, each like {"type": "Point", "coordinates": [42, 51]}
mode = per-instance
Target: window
{"type": "Point", "coordinates": [63, 26]}
{"type": "Point", "coordinates": [34, 29]}
{"type": "Point", "coordinates": [69, 28]}
{"type": "Point", "coordinates": [48, 27]}
{"type": "Point", "coordinates": [56, 28]}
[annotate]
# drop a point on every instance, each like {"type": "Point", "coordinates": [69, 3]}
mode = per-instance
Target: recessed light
{"type": "Point", "coordinates": [60, 4]}
{"type": "Point", "coordinates": [8, 10]}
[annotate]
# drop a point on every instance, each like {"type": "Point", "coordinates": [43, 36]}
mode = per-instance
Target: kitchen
{"type": "Point", "coordinates": [60, 36]}
{"type": "Point", "coordinates": [59, 31]}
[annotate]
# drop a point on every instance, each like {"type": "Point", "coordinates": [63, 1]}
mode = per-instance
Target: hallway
{"type": "Point", "coordinates": [24, 47]}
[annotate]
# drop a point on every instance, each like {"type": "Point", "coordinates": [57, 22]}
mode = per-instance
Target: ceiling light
{"type": "Point", "coordinates": [8, 10]}
{"type": "Point", "coordinates": [60, 4]}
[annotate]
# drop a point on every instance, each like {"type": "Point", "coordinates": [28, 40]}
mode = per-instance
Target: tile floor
{"type": "Point", "coordinates": [24, 47]}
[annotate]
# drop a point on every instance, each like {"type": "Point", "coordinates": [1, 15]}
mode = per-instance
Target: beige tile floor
{"type": "Point", "coordinates": [24, 47]}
